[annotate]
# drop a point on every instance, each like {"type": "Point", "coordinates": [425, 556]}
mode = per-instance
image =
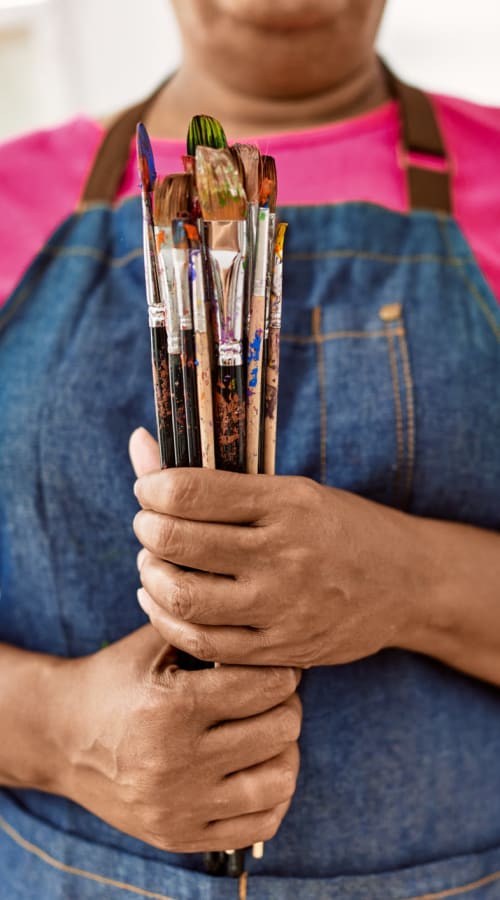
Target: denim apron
{"type": "Point", "coordinates": [390, 388]}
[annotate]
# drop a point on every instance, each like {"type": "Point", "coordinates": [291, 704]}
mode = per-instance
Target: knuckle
{"type": "Point", "coordinates": [182, 492]}
{"type": "Point", "coordinates": [164, 531]}
{"type": "Point", "coordinates": [182, 599]}
{"type": "Point", "coordinates": [271, 825]}
{"type": "Point", "coordinates": [280, 682]}
{"type": "Point", "coordinates": [289, 721]}
{"type": "Point", "coordinates": [286, 780]}
{"type": "Point", "coordinates": [200, 647]}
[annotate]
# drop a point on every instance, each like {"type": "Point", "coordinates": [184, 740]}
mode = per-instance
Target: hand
{"type": "Point", "coordinates": [186, 761]}
{"type": "Point", "coordinates": [306, 575]}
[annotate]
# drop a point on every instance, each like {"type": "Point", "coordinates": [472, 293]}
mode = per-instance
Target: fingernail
{"type": "Point", "coordinates": [141, 556]}
{"type": "Point", "coordinates": [136, 491]}
{"type": "Point", "coordinates": [143, 600]}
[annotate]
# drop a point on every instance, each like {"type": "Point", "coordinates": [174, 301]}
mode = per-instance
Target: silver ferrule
{"type": "Point", "coordinates": [227, 250]}
{"type": "Point", "coordinates": [277, 291]}
{"type": "Point", "coordinates": [167, 282]}
{"type": "Point", "coordinates": [156, 316]}
{"type": "Point", "coordinates": [230, 353]}
{"type": "Point", "coordinates": [261, 253]}
{"type": "Point", "coordinates": [197, 287]}
{"type": "Point", "coordinates": [181, 270]}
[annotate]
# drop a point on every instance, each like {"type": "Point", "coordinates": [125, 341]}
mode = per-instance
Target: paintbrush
{"type": "Point", "coordinates": [224, 208]}
{"type": "Point", "coordinates": [248, 158]}
{"type": "Point", "coordinates": [202, 346]}
{"type": "Point", "coordinates": [255, 336]}
{"type": "Point", "coordinates": [268, 172]}
{"type": "Point", "coordinates": [272, 369]}
{"type": "Point", "coordinates": [163, 206]}
{"type": "Point", "coordinates": [156, 308]}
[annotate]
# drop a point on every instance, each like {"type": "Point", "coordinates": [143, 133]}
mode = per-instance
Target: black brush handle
{"type": "Point", "coordinates": [229, 414]}
{"type": "Point", "coordinates": [178, 409]}
{"type": "Point", "coordinates": [191, 398]}
{"type": "Point", "coordinates": [265, 356]}
{"type": "Point", "coordinates": [163, 405]}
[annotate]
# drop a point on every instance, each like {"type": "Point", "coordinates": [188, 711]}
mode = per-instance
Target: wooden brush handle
{"type": "Point", "coordinates": [271, 406]}
{"type": "Point", "coordinates": [163, 406]}
{"type": "Point", "coordinates": [205, 401]}
{"type": "Point", "coordinates": [191, 398]}
{"type": "Point", "coordinates": [229, 409]}
{"type": "Point", "coordinates": [178, 409]}
{"type": "Point", "coordinates": [254, 381]}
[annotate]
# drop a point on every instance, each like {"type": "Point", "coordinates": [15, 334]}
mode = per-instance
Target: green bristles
{"type": "Point", "coordinates": [205, 131]}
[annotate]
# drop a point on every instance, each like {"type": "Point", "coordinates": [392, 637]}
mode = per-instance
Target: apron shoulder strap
{"type": "Point", "coordinates": [429, 186]}
{"type": "Point", "coordinates": [112, 156]}
{"type": "Point", "coordinates": [429, 181]}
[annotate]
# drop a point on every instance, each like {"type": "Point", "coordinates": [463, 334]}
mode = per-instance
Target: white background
{"type": "Point", "coordinates": [61, 57]}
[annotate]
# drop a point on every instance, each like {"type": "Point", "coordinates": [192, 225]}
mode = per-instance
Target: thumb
{"type": "Point", "coordinates": [143, 451]}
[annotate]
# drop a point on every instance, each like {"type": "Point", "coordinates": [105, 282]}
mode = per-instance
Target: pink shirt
{"type": "Point", "coordinates": [42, 174]}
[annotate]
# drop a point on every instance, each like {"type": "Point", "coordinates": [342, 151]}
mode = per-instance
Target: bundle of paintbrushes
{"type": "Point", "coordinates": [213, 263]}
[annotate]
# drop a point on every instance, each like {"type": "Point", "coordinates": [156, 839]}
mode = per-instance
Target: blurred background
{"type": "Point", "coordinates": [59, 58]}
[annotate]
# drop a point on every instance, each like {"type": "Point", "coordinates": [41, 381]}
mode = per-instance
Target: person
{"type": "Point", "coordinates": [353, 598]}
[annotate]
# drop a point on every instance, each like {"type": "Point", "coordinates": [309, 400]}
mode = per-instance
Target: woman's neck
{"type": "Point", "coordinates": [191, 91]}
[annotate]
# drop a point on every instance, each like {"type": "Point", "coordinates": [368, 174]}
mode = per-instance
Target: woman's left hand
{"type": "Point", "coordinates": [273, 570]}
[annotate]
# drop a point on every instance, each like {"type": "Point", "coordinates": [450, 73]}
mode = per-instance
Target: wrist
{"type": "Point", "coordinates": [32, 719]}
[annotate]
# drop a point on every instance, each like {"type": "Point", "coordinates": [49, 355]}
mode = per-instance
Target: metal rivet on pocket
{"type": "Point", "coordinates": [390, 312]}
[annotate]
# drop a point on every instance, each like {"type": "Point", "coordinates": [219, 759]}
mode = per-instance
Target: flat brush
{"type": "Point", "coordinates": [256, 327]}
{"type": "Point", "coordinates": [224, 208]}
{"type": "Point", "coordinates": [163, 205]}
{"type": "Point", "coordinates": [156, 309]}
{"type": "Point", "coordinates": [182, 269]}
{"type": "Point", "coordinates": [202, 346]}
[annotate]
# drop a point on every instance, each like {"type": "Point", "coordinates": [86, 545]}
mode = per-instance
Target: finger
{"type": "Point", "coordinates": [211, 643]}
{"type": "Point", "coordinates": [243, 831]}
{"type": "Point", "coordinates": [224, 549]}
{"type": "Point", "coordinates": [209, 495]}
{"type": "Point", "coordinates": [143, 451]}
{"type": "Point", "coordinates": [259, 788]}
{"type": "Point", "coordinates": [249, 742]}
{"type": "Point", "coordinates": [198, 596]}
{"type": "Point", "coordinates": [238, 692]}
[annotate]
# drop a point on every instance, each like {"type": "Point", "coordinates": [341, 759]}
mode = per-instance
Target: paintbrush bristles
{"type": "Point", "coordinates": [172, 199]}
{"type": "Point", "coordinates": [268, 174]}
{"type": "Point", "coordinates": [205, 131]}
{"type": "Point", "coordinates": [221, 193]}
{"type": "Point", "coordinates": [145, 159]}
{"type": "Point", "coordinates": [249, 157]}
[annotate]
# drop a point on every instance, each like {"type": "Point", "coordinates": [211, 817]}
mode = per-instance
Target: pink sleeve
{"type": "Point", "coordinates": [41, 177]}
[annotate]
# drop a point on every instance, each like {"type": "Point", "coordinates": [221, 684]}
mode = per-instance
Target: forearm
{"type": "Point", "coordinates": [31, 701]}
{"type": "Point", "coordinates": [457, 615]}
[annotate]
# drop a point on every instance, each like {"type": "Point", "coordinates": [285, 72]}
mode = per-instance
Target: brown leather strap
{"type": "Point", "coordinates": [428, 187]}
{"type": "Point", "coordinates": [112, 156]}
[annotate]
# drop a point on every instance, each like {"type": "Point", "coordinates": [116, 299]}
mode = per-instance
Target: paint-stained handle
{"type": "Point", "coordinates": [178, 409]}
{"type": "Point", "coordinates": [229, 409]}
{"type": "Point", "coordinates": [163, 407]}
{"type": "Point", "coordinates": [191, 398]}
{"type": "Point", "coordinates": [271, 406]}
{"type": "Point", "coordinates": [254, 382]}
{"type": "Point", "coordinates": [205, 401]}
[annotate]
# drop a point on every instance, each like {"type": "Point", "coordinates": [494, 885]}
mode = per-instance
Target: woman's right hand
{"type": "Point", "coordinates": [186, 761]}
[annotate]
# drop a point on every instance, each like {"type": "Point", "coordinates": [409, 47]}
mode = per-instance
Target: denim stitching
{"type": "Point", "coordinates": [473, 291]}
{"type": "Point", "coordinates": [377, 257]}
{"type": "Point", "coordinates": [410, 418]}
{"type": "Point", "coordinates": [463, 889]}
{"type": "Point", "coordinates": [396, 389]}
{"type": "Point", "coordinates": [336, 335]}
{"type": "Point", "coordinates": [323, 421]}
{"type": "Point", "coordinates": [71, 870]}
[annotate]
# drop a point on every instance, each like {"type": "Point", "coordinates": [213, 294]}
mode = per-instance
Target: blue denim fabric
{"type": "Point", "coordinates": [391, 388]}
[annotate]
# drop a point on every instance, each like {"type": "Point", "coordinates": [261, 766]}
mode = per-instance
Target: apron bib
{"type": "Point", "coordinates": [390, 387]}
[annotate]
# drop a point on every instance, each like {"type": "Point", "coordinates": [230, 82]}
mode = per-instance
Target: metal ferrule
{"type": "Point", "coordinates": [156, 316]}
{"type": "Point", "coordinates": [197, 286]}
{"type": "Point", "coordinates": [261, 253]}
{"type": "Point", "coordinates": [276, 293]}
{"type": "Point", "coordinates": [167, 283]}
{"type": "Point", "coordinates": [230, 353]}
{"type": "Point", "coordinates": [180, 260]}
{"type": "Point", "coordinates": [227, 250]}
{"type": "Point", "coordinates": [270, 271]}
